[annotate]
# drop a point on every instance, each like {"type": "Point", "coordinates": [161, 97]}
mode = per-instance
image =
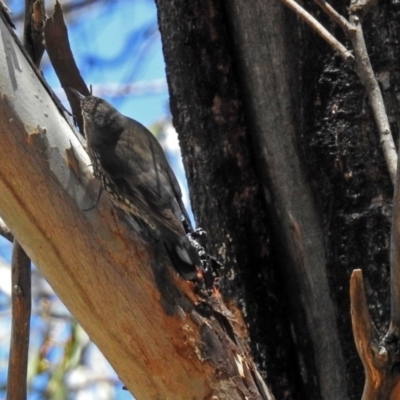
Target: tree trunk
{"type": "Point", "coordinates": [287, 177]}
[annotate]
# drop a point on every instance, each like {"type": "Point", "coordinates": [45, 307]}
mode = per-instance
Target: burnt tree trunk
{"type": "Point", "coordinates": [287, 177]}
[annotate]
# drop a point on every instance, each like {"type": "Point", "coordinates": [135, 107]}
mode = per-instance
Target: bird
{"type": "Point", "coordinates": [132, 168]}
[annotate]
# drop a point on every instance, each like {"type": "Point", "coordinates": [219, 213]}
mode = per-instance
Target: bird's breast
{"type": "Point", "coordinates": [120, 199]}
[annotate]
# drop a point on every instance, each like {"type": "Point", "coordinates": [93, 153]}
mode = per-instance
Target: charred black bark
{"type": "Point", "coordinates": [245, 78]}
{"type": "Point", "coordinates": [349, 174]}
{"type": "Point", "coordinates": [226, 195]}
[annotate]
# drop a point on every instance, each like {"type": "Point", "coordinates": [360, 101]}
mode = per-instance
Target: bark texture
{"type": "Point", "coordinates": [227, 197]}
{"type": "Point", "coordinates": [349, 174]}
{"type": "Point", "coordinates": [266, 113]}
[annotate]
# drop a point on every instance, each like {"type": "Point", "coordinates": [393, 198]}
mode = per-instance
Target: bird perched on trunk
{"type": "Point", "coordinates": [131, 166]}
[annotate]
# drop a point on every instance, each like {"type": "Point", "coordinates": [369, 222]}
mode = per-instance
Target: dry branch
{"type": "Point", "coordinates": [35, 17]}
{"type": "Point", "coordinates": [62, 59]}
{"type": "Point", "coordinates": [334, 15]}
{"type": "Point", "coordinates": [5, 231]}
{"type": "Point", "coordinates": [362, 66]}
{"type": "Point", "coordinates": [21, 313]}
{"type": "Point", "coordinates": [310, 20]}
{"type": "Point", "coordinates": [379, 359]}
{"type": "Point", "coordinates": [367, 76]}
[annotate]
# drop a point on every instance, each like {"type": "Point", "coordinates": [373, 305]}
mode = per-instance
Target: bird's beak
{"type": "Point", "coordinates": [78, 95]}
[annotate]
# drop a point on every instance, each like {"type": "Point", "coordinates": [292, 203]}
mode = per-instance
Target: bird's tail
{"type": "Point", "coordinates": [183, 254]}
{"type": "Point", "coordinates": [184, 257]}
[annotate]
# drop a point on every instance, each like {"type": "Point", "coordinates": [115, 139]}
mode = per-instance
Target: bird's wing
{"type": "Point", "coordinates": [178, 195]}
{"type": "Point", "coordinates": [145, 176]}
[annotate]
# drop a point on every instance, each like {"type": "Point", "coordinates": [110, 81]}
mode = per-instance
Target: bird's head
{"type": "Point", "coordinates": [99, 111]}
{"type": "Point", "coordinates": [102, 122]}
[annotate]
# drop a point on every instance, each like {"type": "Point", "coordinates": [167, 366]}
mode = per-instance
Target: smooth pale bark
{"type": "Point", "coordinates": [124, 292]}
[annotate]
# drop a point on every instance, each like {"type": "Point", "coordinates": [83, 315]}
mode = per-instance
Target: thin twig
{"type": "Point", "coordinates": [364, 70]}
{"type": "Point", "coordinates": [6, 13]}
{"type": "Point", "coordinates": [367, 76]}
{"type": "Point", "coordinates": [5, 231]}
{"type": "Point", "coordinates": [363, 66]}
{"type": "Point", "coordinates": [21, 313]}
{"type": "Point", "coordinates": [310, 20]}
{"type": "Point", "coordinates": [334, 15]}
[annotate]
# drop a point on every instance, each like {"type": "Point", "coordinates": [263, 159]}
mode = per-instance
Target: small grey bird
{"type": "Point", "coordinates": [131, 166]}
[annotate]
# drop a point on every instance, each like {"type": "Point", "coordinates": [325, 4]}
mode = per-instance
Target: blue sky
{"type": "Point", "coordinates": [125, 49]}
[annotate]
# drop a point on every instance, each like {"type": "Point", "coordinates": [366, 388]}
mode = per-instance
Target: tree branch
{"type": "Point", "coordinates": [367, 76]}
{"type": "Point", "coordinates": [35, 17]}
{"type": "Point", "coordinates": [363, 67]}
{"type": "Point", "coordinates": [21, 313]}
{"type": "Point", "coordinates": [5, 231]}
{"type": "Point", "coordinates": [379, 360]}
{"type": "Point", "coordinates": [62, 59]}
{"type": "Point", "coordinates": [310, 20]}
{"type": "Point", "coordinates": [335, 16]}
